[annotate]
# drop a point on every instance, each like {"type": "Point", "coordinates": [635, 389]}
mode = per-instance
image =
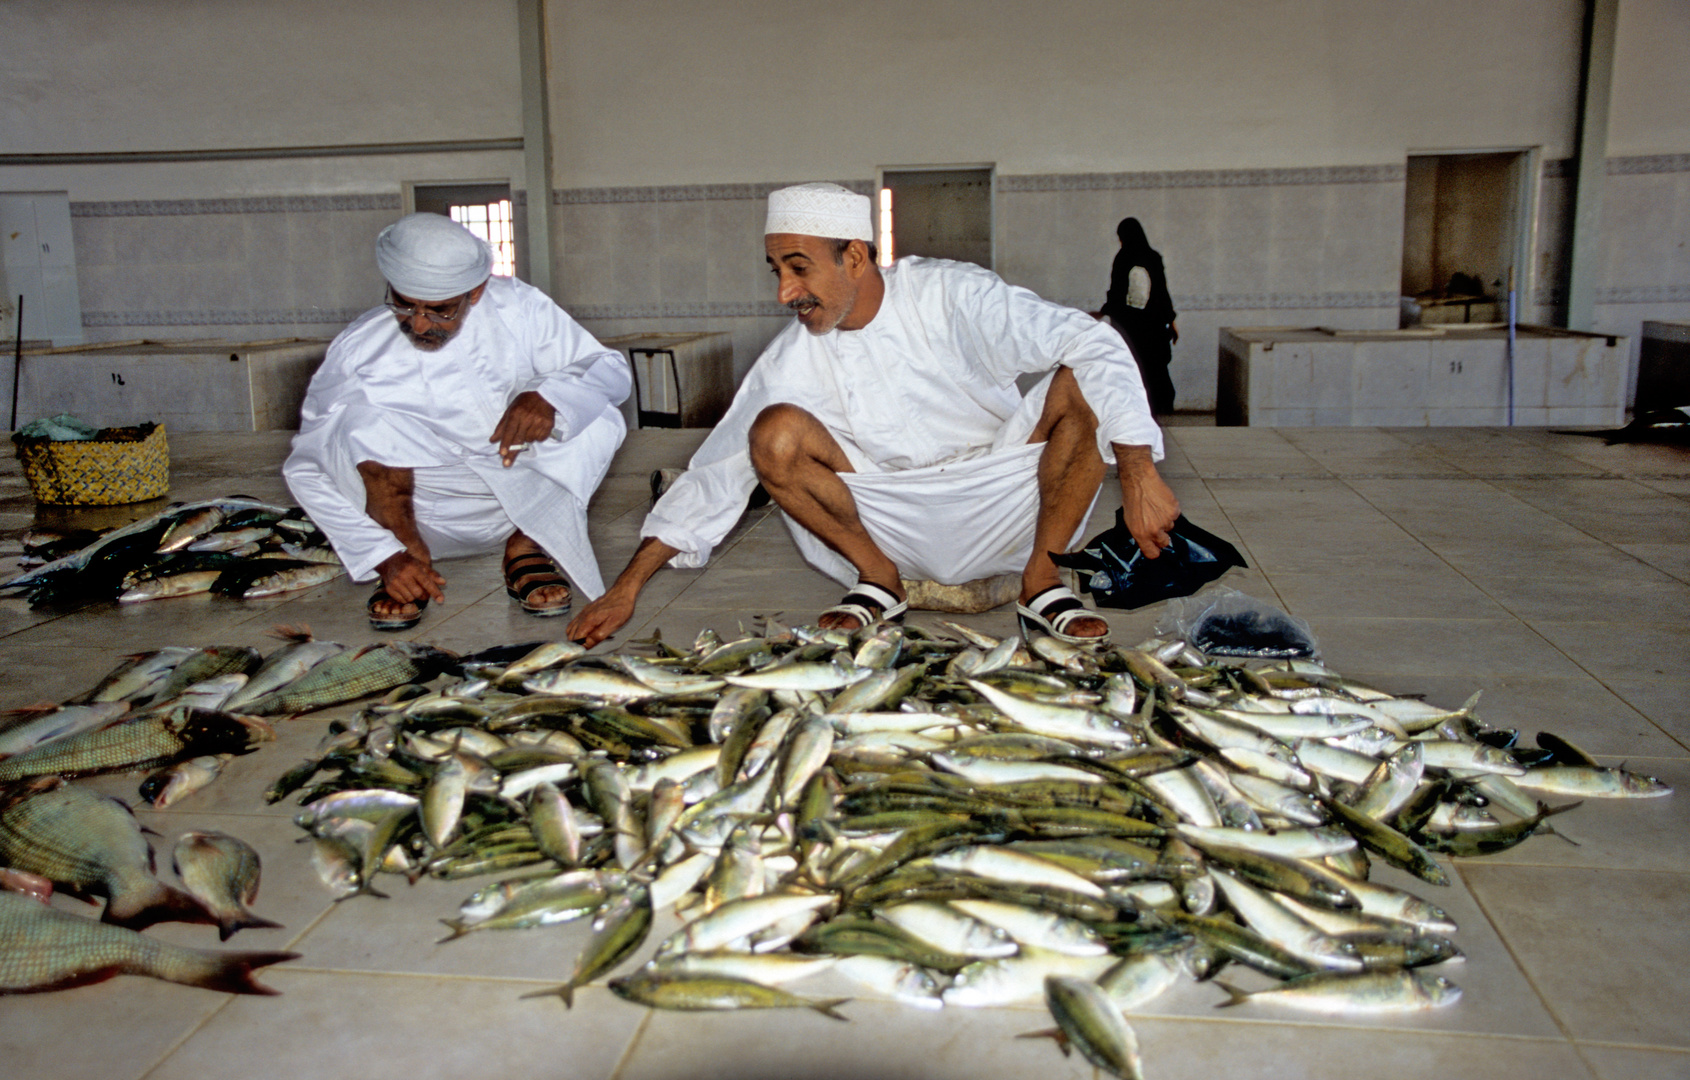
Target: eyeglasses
{"type": "Point", "coordinates": [409, 311]}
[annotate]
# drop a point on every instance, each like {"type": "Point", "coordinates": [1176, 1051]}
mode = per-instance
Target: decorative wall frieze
{"type": "Point", "coordinates": [685, 192]}
{"type": "Point", "coordinates": [1204, 178]}
{"type": "Point", "coordinates": [289, 317]}
{"type": "Point", "coordinates": [267, 204]}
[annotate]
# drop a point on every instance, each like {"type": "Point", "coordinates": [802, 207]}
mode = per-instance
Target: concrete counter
{"type": "Point", "coordinates": [1444, 376]}
{"type": "Point", "coordinates": [197, 385]}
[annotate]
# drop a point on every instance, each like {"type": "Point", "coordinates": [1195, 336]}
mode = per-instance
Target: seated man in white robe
{"type": "Point", "coordinates": [465, 413]}
{"type": "Point", "coordinates": [886, 424]}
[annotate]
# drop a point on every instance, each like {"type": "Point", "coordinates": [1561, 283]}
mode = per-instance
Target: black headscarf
{"type": "Point", "coordinates": [1134, 244]}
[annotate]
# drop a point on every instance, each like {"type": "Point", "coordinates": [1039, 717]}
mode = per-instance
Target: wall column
{"type": "Point", "coordinates": [532, 46]}
{"type": "Point", "coordinates": [1596, 79]}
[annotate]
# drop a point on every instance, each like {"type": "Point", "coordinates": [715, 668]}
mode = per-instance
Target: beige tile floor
{"type": "Point", "coordinates": [1551, 571]}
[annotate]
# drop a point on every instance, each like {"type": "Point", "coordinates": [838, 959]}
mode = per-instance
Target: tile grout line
{"type": "Point", "coordinates": [189, 1034]}
{"type": "Point", "coordinates": [1600, 681]}
{"type": "Point", "coordinates": [1525, 973]}
{"type": "Point", "coordinates": [626, 1057]}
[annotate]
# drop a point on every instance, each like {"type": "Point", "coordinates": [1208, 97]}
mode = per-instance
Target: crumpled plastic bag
{"type": "Point", "coordinates": [1113, 569]}
{"type": "Point", "coordinates": [1226, 622]}
{"type": "Point", "coordinates": [61, 428]}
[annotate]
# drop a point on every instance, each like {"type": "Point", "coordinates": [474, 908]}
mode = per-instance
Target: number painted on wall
{"type": "Point", "coordinates": [116, 378]}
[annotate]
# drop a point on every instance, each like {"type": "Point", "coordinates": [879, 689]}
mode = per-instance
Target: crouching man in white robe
{"type": "Point", "coordinates": [467, 412]}
{"type": "Point", "coordinates": [887, 425]}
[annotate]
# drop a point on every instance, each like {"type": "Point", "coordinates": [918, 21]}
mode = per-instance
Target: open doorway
{"type": "Point", "coordinates": [943, 213]}
{"type": "Point", "coordinates": [1467, 227]}
{"type": "Point", "coordinates": [482, 208]}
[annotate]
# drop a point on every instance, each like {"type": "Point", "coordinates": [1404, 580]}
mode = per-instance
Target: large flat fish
{"type": "Point", "coordinates": [42, 948]}
{"type": "Point", "coordinates": [147, 741]}
{"type": "Point", "coordinates": [352, 675]}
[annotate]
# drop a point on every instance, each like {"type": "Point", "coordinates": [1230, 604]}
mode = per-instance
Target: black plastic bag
{"type": "Point", "coordinates": [1116, 573]}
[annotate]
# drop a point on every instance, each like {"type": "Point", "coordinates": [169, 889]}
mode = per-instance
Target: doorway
{"type": "Point", "coordinates": [484, 208]}
{"type": "Point", "coordinates": [1468, 232]}
{"type": "Point", "coordinates": [942, 213]}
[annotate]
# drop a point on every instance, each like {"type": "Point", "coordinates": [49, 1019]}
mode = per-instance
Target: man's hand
{"type": "Point", "coordinates": [1148, 506]}
{"type": "Point", "coordinates": [408, 579]}
{"type": "Point", "coordinates": [610, 612]}
{"type": "Point", "coordinates": [600, 619]}
{"type": "Point", "coordinates": [529, 419]}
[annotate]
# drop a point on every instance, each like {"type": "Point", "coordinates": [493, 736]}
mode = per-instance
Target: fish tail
{"type": "Point", "coordinates": [1235, 996]}
{"type": "Point", "coordinates": [459, 929]}
{"type": "Point", "coordinates": [244, 920]}
{"type": "Point", "coordinates": [566, 992]}
{"type": "Point", "coordinates": [829, 1008]}
{"type": "Point", "coordinates": [228, 972]}
{"type": "Point", "coordinates": [140, 908]}
{"type": "Point", "coordinates": [288, 632]}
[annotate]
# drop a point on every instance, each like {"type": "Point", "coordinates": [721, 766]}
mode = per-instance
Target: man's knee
{"type": "Point", "coordinates": [778, 438]}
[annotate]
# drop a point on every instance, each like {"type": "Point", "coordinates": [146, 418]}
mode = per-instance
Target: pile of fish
{"type": "Point", "coordinates": [236, 547]}
{"type": "Point", "coordinates": [186, 712]}
{"type": "Point", "coordinates": [943, 820]}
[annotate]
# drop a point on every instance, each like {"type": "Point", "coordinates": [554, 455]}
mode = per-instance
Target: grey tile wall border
{"type": "Point", "coordinates": [685, 192]}
{"type": "Point", "coordinates": [1189, 178]}
{"type": "Point", "coordinates": [1644, 294]}
{"type": "Point", "coordinates": [268, 204]}
{"type": "Point", "coordinates": [1198, 178]}
{"type": "Point", "coordinates": [295, 316]}
{"type": "Point", "coordinates": [1649, 163]}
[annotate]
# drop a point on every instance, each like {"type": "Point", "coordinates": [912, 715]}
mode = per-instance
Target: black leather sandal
{"type": "Point", "coordinates": [527, 574]}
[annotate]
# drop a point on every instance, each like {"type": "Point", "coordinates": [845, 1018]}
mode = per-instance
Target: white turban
{"type": "Point", "coordinates": [428, 257]}
{"type": "Point", "coordinates": [826, 210]}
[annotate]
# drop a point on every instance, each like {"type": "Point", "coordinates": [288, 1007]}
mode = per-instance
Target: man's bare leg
{"type": "Point", "coordinates": [799, 464]}
{"type": "Point", "coordinates": [407, 576]}
{"type": "Point", "coordinates": [1070, 470]}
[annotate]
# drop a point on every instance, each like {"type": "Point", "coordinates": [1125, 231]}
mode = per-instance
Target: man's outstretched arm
{"type": "Point", "coordinates": [606, 615]}
{"type": "Point", "coordinates": [1148, 506]}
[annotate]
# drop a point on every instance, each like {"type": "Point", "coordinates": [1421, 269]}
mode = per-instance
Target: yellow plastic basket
{"type": "Point", "coordinates": [120, 465]}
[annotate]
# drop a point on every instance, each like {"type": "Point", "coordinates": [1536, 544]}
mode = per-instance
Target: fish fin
{"type": "Point", "coordinates": [1545, 810]}
{"type": "Point", "coordinates": [1235, 995]}
{"type": "Point", "coordinates": [245, 920]}
{"type": "Point", "coordinates": [828, 1008]}
{"type": "Point", "coordinates": [1469, 705]}
{"type": "Point", "coordinates": [164, 903]}
{"type": "Point", "coordinates": [300, 633]}
{"type": "Point", "coordinates": [566, 992]}
{"type": "Point", "coordinates": [231, 972]}
{"type": "Point", "coordinates": [1058, 1034]}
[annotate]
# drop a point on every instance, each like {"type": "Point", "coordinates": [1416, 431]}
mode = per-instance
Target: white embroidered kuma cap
{"type": "Point", "coordinates": [825, 210]}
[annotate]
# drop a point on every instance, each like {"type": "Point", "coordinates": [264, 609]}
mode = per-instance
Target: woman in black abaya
{"type": "Point", "coordinates": [1141, 309]}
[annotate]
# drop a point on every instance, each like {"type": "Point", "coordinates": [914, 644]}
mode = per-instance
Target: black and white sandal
{"type": "Point", "coordinates": [393, 623]}
{"type": "Point", "coordinates": [869, 604]}
{"type": "Point", "coordinates": [1052, 612]}
{"type": "Point", "coordinates": [530, 572]}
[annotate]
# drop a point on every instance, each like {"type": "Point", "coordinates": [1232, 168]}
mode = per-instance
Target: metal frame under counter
{"type": "Point", "coordinates": [1443, 376]}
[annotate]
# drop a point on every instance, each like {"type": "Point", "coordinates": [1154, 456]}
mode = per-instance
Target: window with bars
{"type": "Point", "coordinates": [483, 208]}
{"type": "Point", "coordinates": [491, 222]}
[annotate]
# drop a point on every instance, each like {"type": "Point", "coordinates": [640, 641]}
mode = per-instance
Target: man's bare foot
{"type": "Point", "coordinates": [532, 579]}
{"type": "Point", "coordinates": [865, 604]}
{"type": "Point", "coordinates": [1056, 611]}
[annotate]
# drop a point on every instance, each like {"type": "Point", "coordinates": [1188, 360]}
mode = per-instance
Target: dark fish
{"type": "Point", "coordinates": [43, 949]}
{"type": "Point", "coordinates": [90, 845]}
